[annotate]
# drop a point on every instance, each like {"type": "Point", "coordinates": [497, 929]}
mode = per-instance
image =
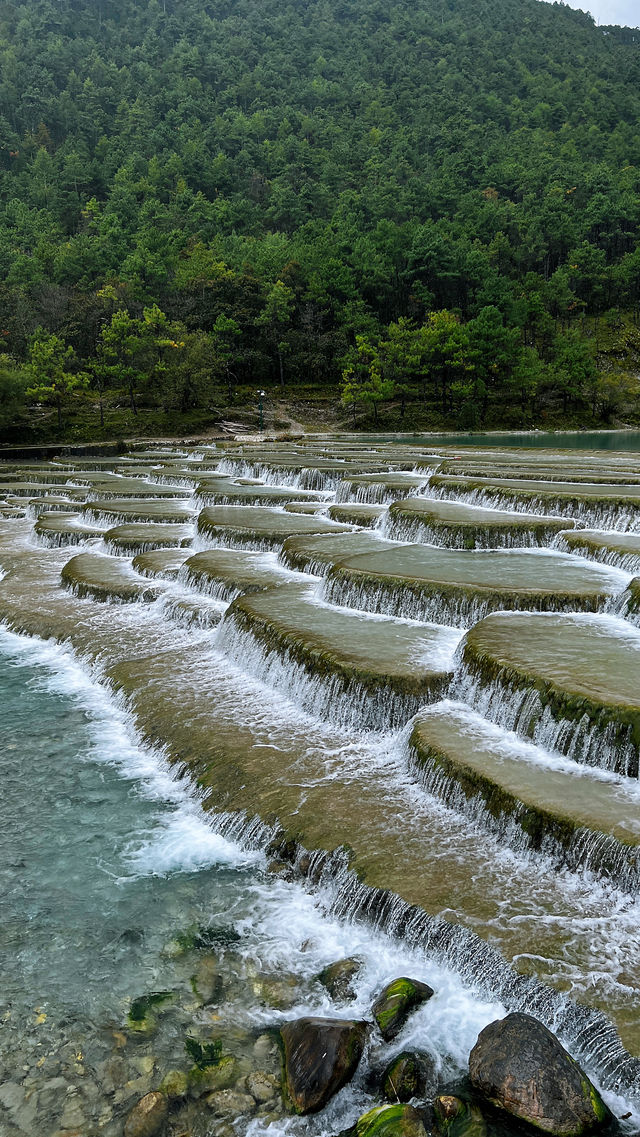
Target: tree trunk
{"type": "Point", "coordinates": [132, 399]}
{"type": "Point", "coordinates": [281, 366]}
{"type": "Point", "coordinates": [59, 406]}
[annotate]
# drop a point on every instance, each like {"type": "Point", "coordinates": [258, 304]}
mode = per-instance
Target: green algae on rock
{"type": "Point", "coordinates": [410, 1074]}
{"type": "Point", "coordinates": [457, 1118]}
{"type": "Point", "coordinates": [396, 1003]}
{"type": "Point", "coordinates": [391, 1121]}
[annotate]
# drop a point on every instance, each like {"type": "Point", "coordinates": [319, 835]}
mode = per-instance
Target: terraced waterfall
{"type": "Point", "coordinates": [271, 704]}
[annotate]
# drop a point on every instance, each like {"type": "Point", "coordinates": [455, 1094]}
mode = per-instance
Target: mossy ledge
{"type": "Point", "coordinates": [333, 687]}
{"type": "Point", "coordinates": [105, 578]}
{"type": "Point", "coordinates": [407, 524]}
{"type": "Point", "coordinates": [456, 604]}
{"type": "Point", "coordinates": [521, 821]}
{"type": "Point", "coordinates": [621, 723]}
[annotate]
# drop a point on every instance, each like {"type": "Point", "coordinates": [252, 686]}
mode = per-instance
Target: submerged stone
{"type": "Point", "coordinates": [457, 1118]}
{"type": "Point", "coordinates": [175, 1085]}
{"type": "Point", "coordinates": [320, 1057]}
{"type": "Point", "coordinates": [148, 1116]}
{"type": "Point", "coordinates": [142, 1016]}
{"type": "Point", "coordinates": [207, 1079]}
{"type": "Point", "coordinates": [521, 1067]}
{"type": "Point", "coordinates": [396, 1002]}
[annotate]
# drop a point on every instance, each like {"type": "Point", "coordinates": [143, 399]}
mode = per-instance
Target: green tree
{"type": "Point", "coordinates": [50, 380]}
{"type": "Point", "coordinates": [275, 318]}
{"type": "Point", "coordinates": [363, 381]}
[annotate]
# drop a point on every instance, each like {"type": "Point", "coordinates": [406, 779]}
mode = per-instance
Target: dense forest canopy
{"type": "Point", "coordinates": [437, 199]}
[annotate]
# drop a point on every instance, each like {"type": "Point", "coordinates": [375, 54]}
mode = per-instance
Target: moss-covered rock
{"type": "Point", "coordinates": [410, 1075]}
{"type": "Point", "coordinates": [457, 1118]}
{"type": "Point", "coordinates": [175, 1085]}
{"type": "Point", "coordinates": [391, 1121]}
{"type": "Point", "coordinates": [143, 1012]}
{"type": "Point", "coordinates": [207, 1079]}
{"type": "Point", "coordinates": [338, 978]}
{"type": "Point", "coordinates": [396, 1002]}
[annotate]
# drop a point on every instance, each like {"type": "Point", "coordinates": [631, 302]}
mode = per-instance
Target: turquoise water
{"type": "Point", "coordinates": [104, 861]}
{"type": "Point", "coordinates": [621, 440]}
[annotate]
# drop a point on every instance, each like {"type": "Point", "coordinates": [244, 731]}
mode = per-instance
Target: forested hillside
{"type": "Point", "coordinates": [432, 204]}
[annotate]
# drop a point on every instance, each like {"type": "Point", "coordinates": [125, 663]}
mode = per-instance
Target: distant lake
{"type": "Point", "coordinates": [550, 440]}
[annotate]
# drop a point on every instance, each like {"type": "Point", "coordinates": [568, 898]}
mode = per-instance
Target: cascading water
{"type": "Point", "coordinates": [391, 934]}
{"type": "Point", "coordinates": [589, 515]}
{"type": "Point", "coordinates": [521, 709]}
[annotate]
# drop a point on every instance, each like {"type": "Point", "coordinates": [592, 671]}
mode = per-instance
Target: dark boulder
{"type": "Point", "coordinates": [338, 978]}
{"type": "Point", "coordinates": [457, 1118]}
{"type": "Point", "coordinates": [394, 1005]}
{"type": "Point", "coordinates": [320, 1057]}
{"type": "Point", "coordinates": [521, 1067]}
{"type": "Point", "coordinates": [391, 1121]}
{"type": "Point", "coordinates": [410, 1075]}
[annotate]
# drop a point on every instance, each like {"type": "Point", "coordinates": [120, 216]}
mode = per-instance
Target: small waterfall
{"type": "Point", "coordinates": [526, 831]}
{"type": "Point", "coordinates": [589, 1035]}
{"type": "Point", "coordinates": [609, 746]}
{"type": "Point", "coordinates": [306, 478]}
{"type": "Point", "coordinates": [369, 493]}
{"type": "Point", "coordinates": [412, 530]}
{"type": "Point", "coordinates": [596, 515]}
{"type": "Point", "coordinates": [139, 547]}
{"type": "Point", "coordinates": [237, 539]}
{"type": "Point", "coordinates": [626, 606]}
{"type": "Point", "coordinates": [332, 696]}
{"type": "Point", "coordinates": [49, 539]}
{"type": "Point", "coordinates": [628, 562]}
{"type": "Point", "coordinates": [411, 601]}
{"type": "Point", "coordinates": [182, 610]}
{"type": "Point", "coordinates": [223, 590]}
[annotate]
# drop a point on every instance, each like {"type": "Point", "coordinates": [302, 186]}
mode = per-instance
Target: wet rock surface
{"type": "Point", "coordinates": [396, 1002]}
{"type": "Point", "coordinates": [521, 1067]}
{"type": "Point", "coordinates": [411, 1075]}
{"type": "Point", "coordinates": [320, 1056]}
